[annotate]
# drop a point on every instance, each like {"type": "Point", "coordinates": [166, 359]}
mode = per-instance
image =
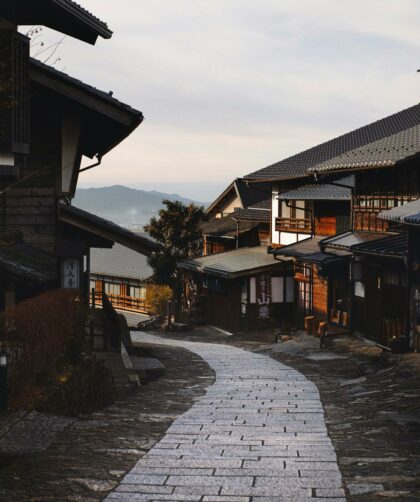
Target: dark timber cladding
{"type": "Point", "coordinates": [321, 284]}
{"type": "Point", "coordinates": [65, 16]}
{"type": "Point", "coordinates": [240, 289]}
{"type": "Point", "coordinates": [111, 119]}
{"type": "Point", "coordinates": [31, 206]}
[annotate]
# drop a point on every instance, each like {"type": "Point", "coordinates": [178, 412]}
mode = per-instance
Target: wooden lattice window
{"type": "Point", "coordinates": [14, 93]}
{"type": "Point", "coordinates": [367, 207]}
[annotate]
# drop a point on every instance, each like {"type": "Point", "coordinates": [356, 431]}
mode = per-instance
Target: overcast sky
{"type": "Point", "coordinates": [230, 86]}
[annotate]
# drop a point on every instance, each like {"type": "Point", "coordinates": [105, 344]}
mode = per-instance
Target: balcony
{"type": "Point", "coordinates": [296, 225]}
{"type": "Point", "coordinates": [121, 302]}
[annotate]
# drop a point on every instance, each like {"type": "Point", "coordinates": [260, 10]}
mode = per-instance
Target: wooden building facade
{"type": "Point", "coordinates": [49, 121]}
{"type": "Point", "coordinates": [367, 287]}
{"type": "Point", "coordinates": [239, 217]}
{"type": "Point", "coordinates": [123, 274]}
{"type": "Point", "coordinates": [239, 290]}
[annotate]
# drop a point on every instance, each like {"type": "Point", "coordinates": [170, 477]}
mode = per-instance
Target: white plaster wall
{"type": "Point", "coordinates": [287, 238]}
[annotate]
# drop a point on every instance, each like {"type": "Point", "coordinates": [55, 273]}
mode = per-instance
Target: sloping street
{"type": "Point", "coordinates": [258, 433]}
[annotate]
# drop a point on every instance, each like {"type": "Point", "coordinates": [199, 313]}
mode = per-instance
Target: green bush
{"type": "Point", "coordinates": [157, 298]}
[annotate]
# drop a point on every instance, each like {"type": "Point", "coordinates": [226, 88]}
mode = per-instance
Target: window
{"type": "Point", "coordinates": [112, 289]}
{"type": "Point", "coordinates": [304, 297]}
{"type": "Point", "coordinates": [277, 289]}
{"type": "Point", "coordinates": [359, 289]}
{"type": "Point", "coordinates": [138, 292]}
{"type": "Point", "coordinates": [304, 270]}
{"type": "Point", "coordinates": [252, 290]}
{"type": "Point", "coordinates": [244, 292]}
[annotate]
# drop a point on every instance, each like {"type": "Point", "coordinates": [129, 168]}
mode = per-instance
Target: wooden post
{"type": "Point", "coordinates": [169, 313]}
{"type": "Point", "coordinates": [309, 324]}
{"type": "Point", "coordinates": [322, 329]}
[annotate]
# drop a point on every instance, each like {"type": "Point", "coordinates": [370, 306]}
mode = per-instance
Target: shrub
{"type": "Point", "coordinates": [36, 334]}
{"type": "Point", "coordinates": [157, 298]}
{"type": "Point", "coordinates": [84, 389]}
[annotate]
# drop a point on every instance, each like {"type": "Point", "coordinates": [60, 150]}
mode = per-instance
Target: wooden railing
{"type": "Point", "coordinates": [299, 225]}
{"type": "Point", "coordinates": [121, 302]}
{"type": "Point", "coordinates": [378, 203]}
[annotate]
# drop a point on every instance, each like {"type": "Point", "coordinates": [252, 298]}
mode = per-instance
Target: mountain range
{"type": "Point", "coordinates": [128, 207]}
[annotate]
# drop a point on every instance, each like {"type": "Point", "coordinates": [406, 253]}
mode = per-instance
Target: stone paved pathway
{"type": "Point", "coordinates": [257, 435]}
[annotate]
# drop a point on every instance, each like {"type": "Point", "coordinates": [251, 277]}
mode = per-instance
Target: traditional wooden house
{"type": "Point", "coordinates": [331, 239]}
{"type": "Point", "coordinates": [405, 219]}
{"type": "Point", "coordinates": [373, 297]}
{"type": "Point", "coordinates": [48, 122]}
{"type": "Point", "coordinates": [239, 217]}
{"type": "Point", "coordinates": [123, 274]}
{"type": "Point", "coordinates": [326, 208]}
{"type": "Point", "coordinates": [240, 289]}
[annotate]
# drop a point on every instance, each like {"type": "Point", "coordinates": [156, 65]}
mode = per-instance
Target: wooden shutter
{"type": "Point", "coordinates": [20, 94]}
{"type": "Point", "coordinates": [14, 93]}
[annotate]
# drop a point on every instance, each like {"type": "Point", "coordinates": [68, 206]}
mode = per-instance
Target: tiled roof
{"type": "Point", "coordinates": [76, 8]}
{"type": "Point", "coordinates": [27, 263]}
{"type": "Point", "coordinates": [407, 213]}
{"type": "Point", "coordinates": [120, 261]}
{"type": "Point", "coordinates": [317, 192]}
{"type": "Point", "coordinates": [38, 66]}
{"type": "Point", "coordinates": [65, 16]}
{"type": "Point", "coordinates": [382, 153]}
{"type": "Point", "coordinates": [237, 263]}
{"type": "Point", "coordinates": [264, 204]}
{"type": "Point", "coordinates": [225, 227]}
{"type": "Point", "coordinates": [309, 250]}
{"type": "Point", "coordinates": [251, 195]}
{"type": "Point", "coordinates": [347, 240]}
{"type": "Point", "coordinates": [251, 214]}
{"type": "Point", "coordinates": [107, 229]}
{"type": "Point", "coordinates": [298, 165]}
{"type": "Point", "coordinates": [394, 245]}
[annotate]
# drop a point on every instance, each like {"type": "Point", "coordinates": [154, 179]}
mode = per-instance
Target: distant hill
{"type": "Point", "coordinates": [128, 207]}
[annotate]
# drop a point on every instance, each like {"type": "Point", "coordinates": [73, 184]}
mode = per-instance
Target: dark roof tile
{"type": "Point", "coordinates": [317, 192]}
{"type": "Point", "coordinates": [251, 214]}
{"type": "Point", "coordinates": [27, 263]}
{"type": "Point", "coordinates": [120, 261]}
{"type": "Point", "coordinates": [225, 227]}
{"type": "Point", "coordinates": [394, 245]}
{"type": "Point", "coordinates": [407, 213]}
{"type": "Point", "coordinates": [382, 153]}
{"type": "Point", "coordinates": [298, 165]}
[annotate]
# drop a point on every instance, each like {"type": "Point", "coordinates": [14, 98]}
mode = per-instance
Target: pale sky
{"type": "Point", "coordinates": [230, 86]}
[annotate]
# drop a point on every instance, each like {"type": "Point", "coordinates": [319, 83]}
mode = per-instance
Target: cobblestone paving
{"type": "Point", "coordinates": [257, 435]}
{"type": "Point", "coordinates": [87, 459]}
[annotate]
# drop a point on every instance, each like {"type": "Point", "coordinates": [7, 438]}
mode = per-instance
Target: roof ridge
{"type": "Point", "coordinates": [361, 136]}
{"type": "Point", "coordinates": [75, 5]}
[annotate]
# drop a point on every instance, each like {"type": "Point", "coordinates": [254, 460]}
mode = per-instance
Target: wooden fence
{"type": "Point", "coordinates": [121, 302]}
